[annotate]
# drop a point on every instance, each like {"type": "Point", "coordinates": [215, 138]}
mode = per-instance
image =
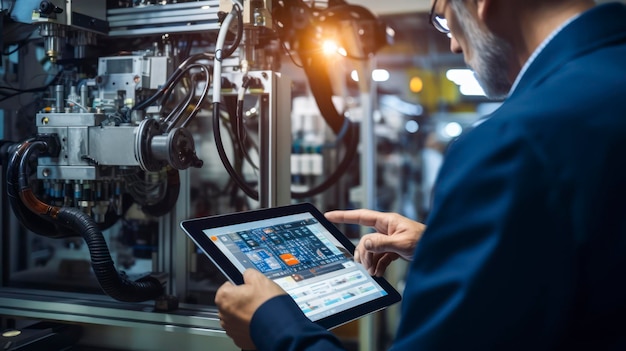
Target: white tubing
{"type": "Point", "coordinates": [219, 46]}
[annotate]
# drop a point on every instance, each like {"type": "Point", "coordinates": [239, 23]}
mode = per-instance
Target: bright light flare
{"type": "Point", "coordinates": [378, 75]}
{"type": "Point", "coordinates": [412, 126]}
{"type": "Point", "coordinates": [354, 75]}
{"type": "Point", "coordinates": [465, 79]}
{"type": "Point", "coordinates": [330, 47]}
{"type": "Point", "coordinates": [452, 129]}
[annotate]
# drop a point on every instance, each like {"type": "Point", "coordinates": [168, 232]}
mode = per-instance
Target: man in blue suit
{"type": "Point", "coordinates": [525, 247]}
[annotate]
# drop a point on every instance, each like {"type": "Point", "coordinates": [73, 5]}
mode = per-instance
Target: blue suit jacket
{"type": "Point", "coordinates": [526, 243]}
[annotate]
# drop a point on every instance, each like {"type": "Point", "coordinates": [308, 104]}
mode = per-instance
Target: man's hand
{"type": "Point", "coordinates": [237, 304]}
{"type": "Point", "coordinates": [396, 236]}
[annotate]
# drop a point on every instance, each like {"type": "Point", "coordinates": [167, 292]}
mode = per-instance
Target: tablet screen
{"type": "Point", "coordinates": [302, 252]}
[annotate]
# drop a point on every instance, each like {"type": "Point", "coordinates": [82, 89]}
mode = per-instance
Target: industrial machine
{"type": "Point", "coordinates": [152, 112]}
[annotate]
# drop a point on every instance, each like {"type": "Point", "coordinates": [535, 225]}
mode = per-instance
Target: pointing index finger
{"type": "Point", "coordinates": [362, 217]}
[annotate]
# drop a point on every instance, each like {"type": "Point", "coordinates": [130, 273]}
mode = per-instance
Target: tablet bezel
{"type": "Point", "coordinates": [194, 229]}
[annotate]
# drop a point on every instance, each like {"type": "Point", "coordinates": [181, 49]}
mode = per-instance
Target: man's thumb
{"type": "Point", "coordinates": [377, 243]}
{"type": "Point", "coordinates": [251, 275]}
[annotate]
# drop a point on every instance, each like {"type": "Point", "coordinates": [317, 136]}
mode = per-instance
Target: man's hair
{"type": "Point", "coordinates": [489, 51]}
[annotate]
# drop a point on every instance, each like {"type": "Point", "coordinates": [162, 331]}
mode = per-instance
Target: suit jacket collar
{"type": "Point", "coordinates": [600, 26]}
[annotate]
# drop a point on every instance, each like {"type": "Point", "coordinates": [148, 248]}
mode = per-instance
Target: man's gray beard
{"type": "Point", "coordinates": [490, 55]}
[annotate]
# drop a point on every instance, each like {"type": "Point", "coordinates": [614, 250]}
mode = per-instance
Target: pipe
{"type": "Point", "coordinates": [114, 284]}
{"type": "Point", "coordinates": [31, 221]}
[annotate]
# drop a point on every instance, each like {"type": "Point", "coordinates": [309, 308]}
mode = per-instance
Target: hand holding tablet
{"type": "Point", "coordinates": [302, 252]}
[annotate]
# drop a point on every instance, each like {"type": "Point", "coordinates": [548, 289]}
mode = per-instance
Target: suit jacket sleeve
{"type": "Point", "coordinates": [280, 325]}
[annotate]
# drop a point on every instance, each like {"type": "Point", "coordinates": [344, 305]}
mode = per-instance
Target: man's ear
{"type": "Point", "coordinates": [482, 8]}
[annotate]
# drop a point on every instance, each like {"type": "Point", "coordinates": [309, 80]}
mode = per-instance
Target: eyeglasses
{"type": "Point", "coordinates": [438, 21]}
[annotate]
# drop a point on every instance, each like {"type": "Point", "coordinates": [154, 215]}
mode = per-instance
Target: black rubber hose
{"type": "Point", "coordinates": [351, 141]}
{"type": "Point", "coordinates": [171, 81]}
{"type": "Point", "coordinates": [231, 49]}
{"type": "Point", "coordinates": [74, 220]}
{"type": "Point", "coordinates": [31, 221]}
{"type": "Point", "coordinates": [252, 193]}
{"type": "Point", "coordinates": [321, 89]}
{"type": "Point", "coordinates": [114, 284]}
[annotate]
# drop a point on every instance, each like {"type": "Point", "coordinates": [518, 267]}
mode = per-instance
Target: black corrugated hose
{"type": "Point", "coordinates": [37, 224]}
{"type": "Point", "coordinates": [113, 283]}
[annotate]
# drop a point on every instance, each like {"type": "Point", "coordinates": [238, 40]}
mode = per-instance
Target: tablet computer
{"type": "Point", "coordinates": [300, 250]}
